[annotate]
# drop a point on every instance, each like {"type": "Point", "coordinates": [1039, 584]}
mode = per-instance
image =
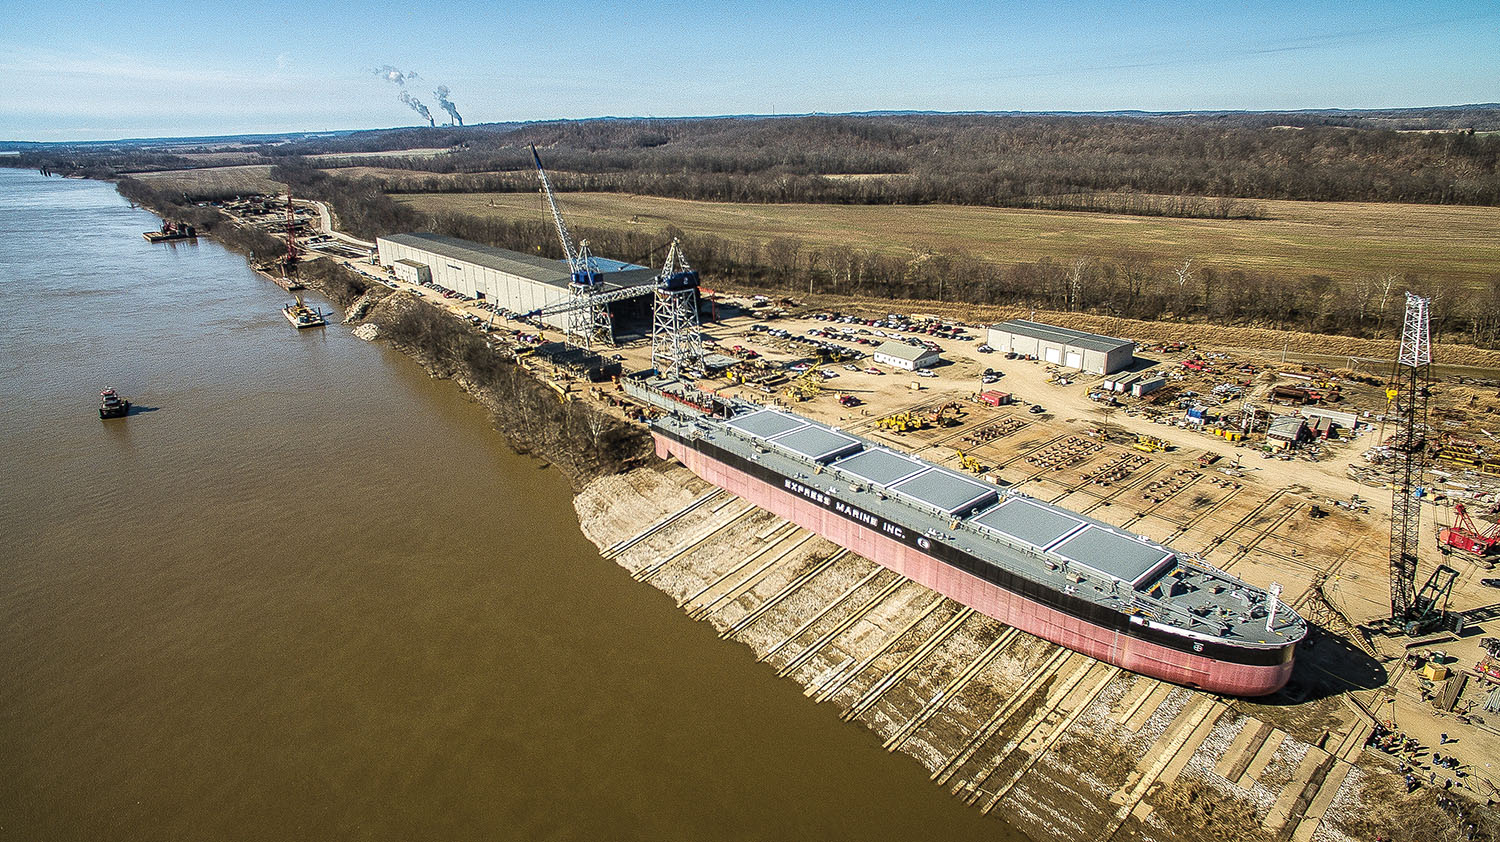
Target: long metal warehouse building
{"type": "Point", "coordinates": [1063, 346]}
{"type": "Point", "coordinates": [511, 279]}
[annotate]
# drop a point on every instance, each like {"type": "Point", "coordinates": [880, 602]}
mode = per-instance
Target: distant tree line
{"type": "Point", "coordinates": [339, 283]}
{"type": "Point", "coordinates": [962, 159]}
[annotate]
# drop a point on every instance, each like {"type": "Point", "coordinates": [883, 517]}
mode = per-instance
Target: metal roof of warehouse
{"type": "Point", "coordinates": [1063, 335]}
{"type": "Point", "coordinates": [540, 269]}
{"type": "Point", "coordinates": [903, 351]}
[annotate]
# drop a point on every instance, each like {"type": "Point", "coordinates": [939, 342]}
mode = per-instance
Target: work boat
{"type": "Point", "coordinates": [112, 406]}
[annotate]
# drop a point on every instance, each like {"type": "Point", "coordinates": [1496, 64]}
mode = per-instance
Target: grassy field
{"type": "Point", "coordinates": [1342, 240]}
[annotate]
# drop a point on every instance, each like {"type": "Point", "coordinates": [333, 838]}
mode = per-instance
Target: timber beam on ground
{"type": "Point", "coordinates": [841, 626]}
{"type": "Point", "coordinates": [956, 686]}
{"type": "Point", "coordinates": [873, 695]}
{"type": "Point", "coordinates": [1039, 740]}
{"type": "Point", "coordinates": [705, 597]}
{"type": "Point", "coordinates": [1051, 697]}
{"type": "Point", "coordinates": [1300, 791]}
{"type": "Point", "coordinates": [1186, 732]}
{"type": "Point", "coordinates": [1021, 695]}
{"type": "Point", "coordinates": [1195, 520]}
{"type": "Point", "coordinates": [828, 607]}
{"type": "Point", "coordinates": [621, 546]}
{"type": "Point", "coordinates": [1261, 535]}
{"type": "Point", "coordinates": [650, 570]}
{"type": "Point", "coordinates": [917, 617]}
{"type": "Point", "coordinates": [792, 587]}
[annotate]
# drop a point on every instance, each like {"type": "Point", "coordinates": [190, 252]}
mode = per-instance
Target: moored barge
{"type": "Point", "coordinates": [302, 316]}
{"type": "Point", "coordinates": [1062, 576]}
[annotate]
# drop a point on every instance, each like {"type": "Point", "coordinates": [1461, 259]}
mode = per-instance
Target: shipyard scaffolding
{"type": "Point", "coordinates": [676, 344]}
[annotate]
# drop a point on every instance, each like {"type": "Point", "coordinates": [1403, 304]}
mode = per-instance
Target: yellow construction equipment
{"type": "Point", "coordinates": [808, 385]}
{"type": "Point", "coordinates": [945, 415]}
{"type": "Point", "coordinates": [1150, 444]}
{"type": "Point", "coordinates": [902, 422]}
{"type": "Point", "coordinates": [969, 463]}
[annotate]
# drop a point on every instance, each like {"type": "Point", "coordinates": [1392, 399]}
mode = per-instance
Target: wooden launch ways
{"type": "Point", "coordinates": [839, 659]}
{"type": "Point", "coordinates": [655, 528]}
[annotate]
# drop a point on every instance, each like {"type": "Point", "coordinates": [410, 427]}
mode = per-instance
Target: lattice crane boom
{"type": "Point", "coordinates": [557, 218]}
{"type": "Point", "coordinates": [569, 305]}
{"type": "Point", "coordinates": [1411, 381]}
{"type": "Point", "coordinates": [588, 320]}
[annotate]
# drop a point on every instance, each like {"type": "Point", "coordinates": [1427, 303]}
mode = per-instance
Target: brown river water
{"type": "Point", "coordinates": [306, 592]}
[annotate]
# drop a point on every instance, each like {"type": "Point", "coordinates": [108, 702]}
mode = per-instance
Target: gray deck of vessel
{"type": "Point", "coordinates": [1039, 526]}
{"type": "Point", "coordinates": [767, 423]}
{"type": "Point", "coordinates": [944, 490]}
{"type": "Point", "coordinates": [1105, 551]}
{"type": "Point", "coordinates": [880, 466]}
{"type": "Point", "coordinates": [816, 443]}
{"type": "Point", "coordinates": [1063, 550]}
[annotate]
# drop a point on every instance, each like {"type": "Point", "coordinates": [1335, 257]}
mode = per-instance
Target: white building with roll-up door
{"type": "Point", "coordinates": [1062, 346]}
{"type": "Point", "coordinates": [515, 281]}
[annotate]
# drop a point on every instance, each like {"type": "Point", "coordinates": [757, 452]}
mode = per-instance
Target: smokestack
{"type": "Point", "coordinates": [442, 97]}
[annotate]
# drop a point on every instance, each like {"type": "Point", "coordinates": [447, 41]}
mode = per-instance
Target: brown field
{"type": "Point", "coordinates": [1343, 240]}
{"type": "Point", "coordinates": [250, 178]}
{"type": "Point", "coordinates": [430, 152]}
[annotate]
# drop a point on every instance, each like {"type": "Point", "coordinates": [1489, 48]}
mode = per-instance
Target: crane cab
{"type": "Point", "coordinates": [679, 281]}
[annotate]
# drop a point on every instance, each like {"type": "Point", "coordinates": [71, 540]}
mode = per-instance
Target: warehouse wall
{"type": "Point", "coordinates": [503, 288]}
{"type": "Point", "coordinates": [1060, 353]}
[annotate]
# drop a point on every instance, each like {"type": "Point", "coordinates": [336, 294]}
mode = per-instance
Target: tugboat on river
{"type": "Point", "coordinates": [112, 406]}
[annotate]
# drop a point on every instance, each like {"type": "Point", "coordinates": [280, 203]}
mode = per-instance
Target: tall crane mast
{"type": "Point", "coordinates": [676, 344]}
{"type": "Point", "coordinates": [1411, 381]}
{"type": "Point", "coordinates": [588, 318]}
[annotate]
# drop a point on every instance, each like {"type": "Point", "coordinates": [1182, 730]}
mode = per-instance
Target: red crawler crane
{"type": "Point", "coordinates": [1466, 536]}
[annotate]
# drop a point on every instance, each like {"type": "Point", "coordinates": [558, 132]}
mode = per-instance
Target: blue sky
{"type": "Point", "coordinates": [76, 70]}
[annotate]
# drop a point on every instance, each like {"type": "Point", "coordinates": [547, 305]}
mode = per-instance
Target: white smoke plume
{"type": "Point", "coordinates": [399, 78]}
{"type": "Point", "coordinates": [447, 105]}
{"type": "Point", "coordinates": [395, 75]}
{"type": "Point", "coordinates": [416, 105]}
